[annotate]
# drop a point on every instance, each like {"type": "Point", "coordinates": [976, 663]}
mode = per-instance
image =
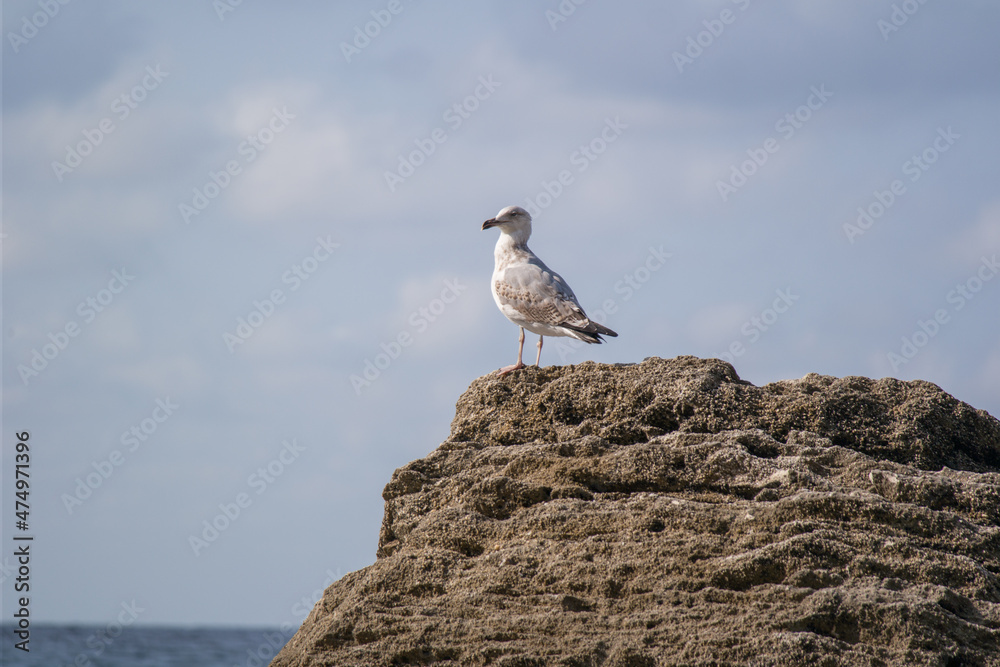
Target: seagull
{"type": "Point", "coordinates": [530, 294]}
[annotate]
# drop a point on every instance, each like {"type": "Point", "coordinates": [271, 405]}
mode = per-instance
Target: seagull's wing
{"type": "Point", "coordinates": [537, 293]}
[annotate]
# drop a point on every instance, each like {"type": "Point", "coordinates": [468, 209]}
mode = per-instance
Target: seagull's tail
{"type": "Point", "coordinates": [590, 333]}
{"type": "Point", "coordinates": [603, 330]}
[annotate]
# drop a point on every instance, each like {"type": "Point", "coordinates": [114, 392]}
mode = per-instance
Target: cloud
{"type": "Point", "coordinates": [324, 174]}
{"type": "Point", "coordinates": [314, 168]}
{"type": "Point", "coordinates": [173, 373]}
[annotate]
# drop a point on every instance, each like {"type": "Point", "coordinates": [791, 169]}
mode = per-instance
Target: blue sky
{"type": "Point", "coordinates": [214, 219]}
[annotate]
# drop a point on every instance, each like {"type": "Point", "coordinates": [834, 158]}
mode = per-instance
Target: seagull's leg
{"type": "Point", "coordinates": [520, 350]}
{"type": "Point", "coordinates": [539, 350]}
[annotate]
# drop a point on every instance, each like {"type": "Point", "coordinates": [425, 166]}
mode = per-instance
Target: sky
{"type": "Point", "coordinates": [244, 276]}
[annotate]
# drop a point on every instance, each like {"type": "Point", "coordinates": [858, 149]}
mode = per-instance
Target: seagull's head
{"type": "Point", "coordinates": [512, 220]}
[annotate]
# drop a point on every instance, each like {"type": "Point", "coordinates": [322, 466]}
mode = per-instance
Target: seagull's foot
{"type": "Point", "coordinates": [508, 369]}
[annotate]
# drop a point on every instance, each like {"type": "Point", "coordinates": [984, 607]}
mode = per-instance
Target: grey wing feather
{"type": "Point", "coordinates": [542, 295]}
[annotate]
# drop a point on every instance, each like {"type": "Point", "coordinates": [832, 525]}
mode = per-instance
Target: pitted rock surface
{"type": "Point", "coordinates": [669, 513]}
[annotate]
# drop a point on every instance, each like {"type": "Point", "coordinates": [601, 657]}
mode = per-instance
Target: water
{"type": "Point", "coordinates": [139, 646]}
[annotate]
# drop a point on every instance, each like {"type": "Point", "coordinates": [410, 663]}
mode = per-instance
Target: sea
{"type": "Point", "coordinates": [141, 646]}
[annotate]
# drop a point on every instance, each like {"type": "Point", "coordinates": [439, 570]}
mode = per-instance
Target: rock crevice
{"type": "Point", "coordinates": [669, 513]}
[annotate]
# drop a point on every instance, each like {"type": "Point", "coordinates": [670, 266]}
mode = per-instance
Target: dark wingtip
{"type": "Point", "coordinates": [591, 336]}
{"type": "Point", "coordinates": [604, 330]}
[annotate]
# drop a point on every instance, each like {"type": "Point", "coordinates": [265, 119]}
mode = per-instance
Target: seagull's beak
{"type": "Point", "coordinates": [492, 222]}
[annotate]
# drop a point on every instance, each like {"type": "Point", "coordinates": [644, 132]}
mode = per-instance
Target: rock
{"type": "Point", "coordinates": [669, 513]}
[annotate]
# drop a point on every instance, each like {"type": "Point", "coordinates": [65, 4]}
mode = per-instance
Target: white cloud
{"type": "Point", "coordinates": [162, 374]}
{"type": "Point", "coordinates": [311, 169]}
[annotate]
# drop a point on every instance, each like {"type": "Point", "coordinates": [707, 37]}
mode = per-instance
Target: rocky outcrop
{"type": "Point", "coordinates": [669, 513]}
